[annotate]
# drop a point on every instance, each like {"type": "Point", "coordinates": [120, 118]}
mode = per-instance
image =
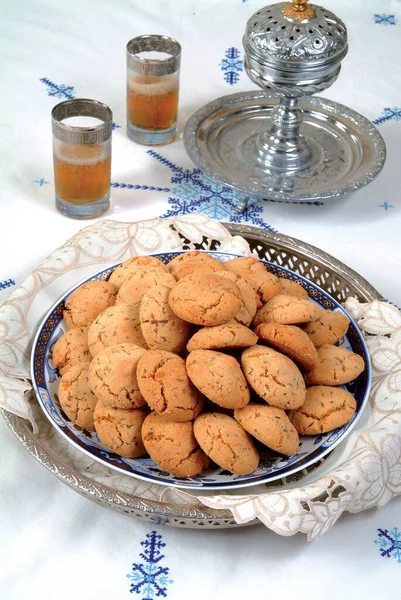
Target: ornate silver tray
{"type": "Point", "coordinates": [324, 270]}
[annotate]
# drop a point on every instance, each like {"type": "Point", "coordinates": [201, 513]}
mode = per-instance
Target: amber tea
{"type": "Point", "coordinates": [153, 102]}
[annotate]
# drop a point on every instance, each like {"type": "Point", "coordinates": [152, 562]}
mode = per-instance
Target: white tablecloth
{"type": "Point", "coordinates": [54, 542]}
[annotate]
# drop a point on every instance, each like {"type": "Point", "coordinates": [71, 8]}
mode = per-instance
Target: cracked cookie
{"type": "Point", "coordinates": [324, 409]}
{"type": "Point", "coordinates": [173, 447]}
{"type": "Point", "coordinates": [198, 265]}
{"type": "Point", "coordinates": [266, 286]}
{"type": "Point", "coordinates": [120, 430]}
{"type": "Point", "coordinates": [140, 282]}
{"type": "Point", "coordinates": [205, 299]}
{"type": "Point", "coordinates": [131, 265]}
{"type": "Point", "coordinates": [229, 335]}
{"type": "Point", "coordinates": [328, 328]}
{"type": "Point", "coordinates": [226, 443]}
{"type": "Point", "coordinates": [291, 341]}
{"type": "Point", "coordinates": [219, 377]}
{"type": "Point", "coordinates": [87, 302]}
{"type": "Point", "coordinates": [245, 265]}
{"type": "Point", "coordinates": [292, 288]}
{"type": "Point", "coordinates": [71, 349]}
{"type": "Point", "coordinates": [177, 262]}
{"type": "Point", "coordinates": [161, 327]}
{"type": "Point", "coordinates": [273, 376]}
{"type": "Point", "coordinates": [335, 366]}
{"type": "Point", "coordinates": [166, 387]}
{"type": "Point", "coordinates": [112, 376]}
{"type": "Point", "coordinates": [117, 324]}
{"type": "Point", "coordinates": [287, 310]}
{"type": "Point", "coordinates": [76, 397]}
{"type": "Point", "coordinates": [248, 308]}
{"type": "Point", "coordinates": [270, 426]}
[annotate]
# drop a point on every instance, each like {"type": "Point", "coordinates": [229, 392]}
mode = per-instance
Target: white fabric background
{"type": "Point", "coordinates": [51, 537]}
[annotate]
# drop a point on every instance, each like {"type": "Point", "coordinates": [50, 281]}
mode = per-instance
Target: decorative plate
{"type": "Point", "coordinates": [272, 465]}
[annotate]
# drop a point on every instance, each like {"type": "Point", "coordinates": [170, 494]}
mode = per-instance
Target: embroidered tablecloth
{"type": "Point", "coordinates": [55, 542]}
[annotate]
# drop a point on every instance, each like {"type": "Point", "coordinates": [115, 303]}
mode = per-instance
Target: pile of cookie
{"type": "Point", "coordinates": [201, 361]}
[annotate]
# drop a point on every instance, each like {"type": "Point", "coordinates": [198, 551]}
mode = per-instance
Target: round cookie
{"type": "Point", "coordinates": [291, 341]}
{"type": "Point", "coordinates": [248, 308]}
{"type": "Point", "coordinates": [140, 282]}
{"type": "Point", "coordinates": [161, 328]}
{"type": "Point", "coordinates": [205, 299]}
{"type": "Point", "coordinates": [293, 288]}
{"type": "Point", "coordinates": [198, 265]}
{"type": "Point", "coordinates": [173, 447]}
{"type": "Point", "coordinates": [71, 349]}
{"type": "Point", "coordinates": [87, 302]}
{"type": "Point", "coordinates": [287, 310]}
{"type": "Point", "coordinates": [76, 397]}
{"type": "Point", "coordinates": [177, 262]}
{"type": "Point", "coordinates": [229, 335]}
{"type": "Point", "coordinates": [270, 425]}
{"type": "Point", "coordinates": [328, 328]}
{"type": "Point", "coordinates": [219, 377]}
{"type": "Point", "coordinates": [245, 265]}
{"type": "Point", "coordinates": [166, 387]}
{"type": "Point", "coordinates": [335, 366]}
{"type": "Point", "coordinates": [112, 376]}
{"type": "Point", "coordinates": [226, 443]}
{"type": "Point", "coordinates": [266, 286]}
{"type": "Point", "coordinates": [120, 430]}
{"type": "Point", "coordinates": [274, 377]}
{"type": "Point", "coordinates": [324, 409]}
{"type": "Point", "coordinates": [117, 324]}
{"type": "Point", "coordinates": [131, 265]}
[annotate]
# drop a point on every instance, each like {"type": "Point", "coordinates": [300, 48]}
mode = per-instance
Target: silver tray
{"type": "Point", "coordinates": [333, 276]}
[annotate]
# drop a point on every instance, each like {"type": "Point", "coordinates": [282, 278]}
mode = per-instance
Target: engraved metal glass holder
{"type": "Point", "coordinates": [281, 144]}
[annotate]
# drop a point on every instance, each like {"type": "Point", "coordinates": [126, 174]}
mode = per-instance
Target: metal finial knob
{"type": "Point", "coordinates": [299, 10]}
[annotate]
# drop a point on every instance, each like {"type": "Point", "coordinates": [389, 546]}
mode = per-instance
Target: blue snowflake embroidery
{"type": "Point", "coordinates": [41, 182]}
{"type": "Point", "coordinates": [132, 186]}
{"type": "Point", "coordinates": [231, 66]}
{"type": "Point", "coordinates": [59, 91]}
{"type": "Point", "coordinates": [149, 578]}
{"type": "Point", "coordinates": [6, 284]}
{"type": "Point", "coordinates": [115, 126]}
{"type": "Point", "coordinates": [389, 543]}
{"type": "Point", "coordinates": [384, 19]}
{"type": "Point", "coordinates": [386, 206]}
{"type": "Point", "coordinates": [389, 114]}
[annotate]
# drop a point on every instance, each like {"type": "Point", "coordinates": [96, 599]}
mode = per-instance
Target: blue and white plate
{"type": "Point", "coordinates": [272, 465]}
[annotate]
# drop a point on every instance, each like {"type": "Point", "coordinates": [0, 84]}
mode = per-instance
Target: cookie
{"type": "Point", "coordinates": [291, 341]}
{"type": "Point", "coordinates": [273, 376]}
{"type": "Point", "coordinates": [166, 387]}
{"type": "Point", "coordinates": [198, 265]}
{"type": "Point", "coordinates": [270, 426]}
{"type": "Point", "coordinates": [226, 443]}
{"type": "Point", "coordinates": [245, 265]}
{"type": "Point", "coordinates": [248, 308]}
{"type": "Point", "coordinates": [117, 324]}
{"type": "Point", "coordinates": [229, 335]}
{"type": "Point", "coordinates": [120, 430]}
{"type": "Point", "coordinates": [324, 409]}
{"type": "Point", "coordinates": [205, 299]}
{"type": "Point", "coordinates": [112, 376]}
{"type": "Point", "coordinates": [287, 310]}
{"type": "Point", "coordinates": [178, 261]}
{"type": "Point", "coordinates": [293, 288]}
{"type": "Point", "coordinates": [71, 349]}
{"type": "Point", "coordinates": [335, 366]}
{"type": "Point", "coordinates": [87, 302]}
{"type": "Point", "coordinates": [173, 447]}
{"type": "Point", "coordinates": [76, 397]}
{"type": "Point", "coordinates": [328, 328]}
{"type": "Point", "coordinates": [219, 377]}
{"type": "Point", "coordinates": [131, 265]}
{"type": "Point", "coordinates": [139, 283]}
{"type": "Point", "coordinates": [266, 286]}
{"type": "Point", "coordinates": [161, 327]}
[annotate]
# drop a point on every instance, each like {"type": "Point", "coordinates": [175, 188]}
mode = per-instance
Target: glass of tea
{"type": "Point", "coordinates": [153, 77]}
{"type": "Point", "coordinates": [82, 157]}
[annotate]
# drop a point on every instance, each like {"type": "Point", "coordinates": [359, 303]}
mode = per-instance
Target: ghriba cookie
{"type": "Point", "coordinates": [219, 377]}
{"type": "Point", "coordinates": [244, 265]}
{"type": "Point", "coordinates": [87, 302]}
{"type": "Point", "coordinates": [131, 265]}
{"type": "Point", "coordinates": [76, 397]}
{"type": "Point", "coordinates": [120, 430]}
{"type": "Point", "coordinates": [205, 299]}
{"type": "Point", "coordinates": [328, 328]}
{"type": "Point", "coordinates": [140, 282]}
{"type": "Point", "coordinates": [229, 335]}
{"type": "Point", "coordinates": [248, 308]}
{"type": "Point", "coordinates": [293, 288]}
{"type": "Point", "coordinates": [173, 447]}
{"type": "Point", "coordinates": [198, 265]}
{"type": "Point", "coordinates": [226, 443]}
{"type": "Point", "coordinates": [71, 349]}
{"type": "Point", "coordinates": [266, 286]}
{"type": "Point", "coordinates": [166, 387]}
{"type": "Point", "coordinates": [287, 310]}
{"type": "Point", "coordinates": [112, 376]}
{"type": "Point", "coordinates": [291, 341]}
{"type": "Point", "coordinates": [324, 409]}
{"type": "Point", "coordinates": [161, 327]}
{"type": "Point", "coordinates": [335, 366]}
{"type": "Point", "coordinates": [177, 262]}
{"type": "Point", "coordinates": [270, 425]}
{"type": "Point", "coordinates": [274, 377]}
{"type": "Point", "coordinates": [117, 324]}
